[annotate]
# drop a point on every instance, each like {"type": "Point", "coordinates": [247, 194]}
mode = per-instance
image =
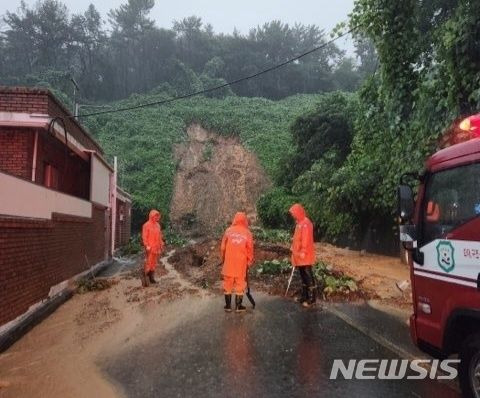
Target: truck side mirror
{"type": "Point", "coordinates": [406, 204]}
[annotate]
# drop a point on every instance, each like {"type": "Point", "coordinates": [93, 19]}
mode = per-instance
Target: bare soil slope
{"type": "Point", "coordinates": [216, 177]}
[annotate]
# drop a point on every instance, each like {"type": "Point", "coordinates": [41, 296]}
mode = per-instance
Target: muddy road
{"type": "Point", "coordinates": [173, 339]}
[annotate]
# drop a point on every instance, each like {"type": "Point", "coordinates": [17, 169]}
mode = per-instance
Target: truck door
{"type": "Point", "coordinates": [447, 276]}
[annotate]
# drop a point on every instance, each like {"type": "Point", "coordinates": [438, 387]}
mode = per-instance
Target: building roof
{"type": "Point", "coordinates": [47, 92]}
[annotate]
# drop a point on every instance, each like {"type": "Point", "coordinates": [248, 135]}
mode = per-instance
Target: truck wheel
{"type": "Point", "coordinates": [469, 367]}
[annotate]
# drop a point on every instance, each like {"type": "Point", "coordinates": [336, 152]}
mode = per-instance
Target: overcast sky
{"type": "Point", "coordinates": [225, 15]}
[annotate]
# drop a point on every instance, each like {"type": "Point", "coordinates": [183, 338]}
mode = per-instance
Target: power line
{"type": "Point", "coordinates": [231, 83]}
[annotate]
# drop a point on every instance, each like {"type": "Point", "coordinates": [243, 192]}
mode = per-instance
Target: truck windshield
{"type": "Point", "coordinates": [452, 198]}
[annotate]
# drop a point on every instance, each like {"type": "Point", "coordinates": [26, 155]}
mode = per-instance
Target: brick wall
{"type": "Point", "coordinates": [23, 100]}
{"type": "Point", "coordinates": [74, 172]}
{"type": "Point", "coordinates": [38, 100]}
{"type": "Point", "coordinates": [37, 254]}
{"type": "Point", "coordinates": [16, 148]}
{"type": "Point", "coordinates": [16, 157]}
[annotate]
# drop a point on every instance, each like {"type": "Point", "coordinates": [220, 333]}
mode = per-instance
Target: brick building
{"type": "Point", "coordinates": [56, 195]}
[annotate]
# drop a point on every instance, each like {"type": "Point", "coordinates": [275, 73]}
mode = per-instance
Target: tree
{"type": "Point", "coordinates": [131, 27]}
{"type": "Point", "coordinates": [43, 43]}
{"type": "Point", "coordinates": [88, 40]}
{"type": "Point", "coordinates": [327, 128]}
{"type": "Point", "coordinates": [195, 42]}
{"type": "Point", "coordinates": [20, 41]}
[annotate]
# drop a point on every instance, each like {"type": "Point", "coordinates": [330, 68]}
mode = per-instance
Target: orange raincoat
{"type": "Point", "coordinates": [237, 254]}
{"type": "Point", "coordinates": [152, 239]}
{"type": "Point", "coordinates": [303, 251]}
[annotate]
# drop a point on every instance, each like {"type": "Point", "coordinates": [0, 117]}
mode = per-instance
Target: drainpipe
{"type": "Point", "coordinates": [34, 157]}
{"type": "Point", "coordinates": [114, 202]}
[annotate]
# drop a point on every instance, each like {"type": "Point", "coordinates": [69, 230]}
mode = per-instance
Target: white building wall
{"type": "Point", "coordinates": [22, 198]}
{"type": "Point", "coordinates": [100, 182]}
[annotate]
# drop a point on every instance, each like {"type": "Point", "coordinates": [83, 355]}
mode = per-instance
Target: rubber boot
{"type": "Point", "coordinates": [228, 303]}
{"type": "Point", "coordinates": [304, 295]}
{"type": "Point", "coordinates": [312, 297]}
{"type": "Point", "coordinates": [238, 304]}
{"type": "Point", "coordinates": [152, 279]}
{"type": "Point", "coordinates": [312, 287]}
{"type": "Point", "coordinates": [144, 278]}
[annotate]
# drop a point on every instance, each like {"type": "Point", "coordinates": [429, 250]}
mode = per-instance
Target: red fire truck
{"type": "Point", "coordinates": [441, 232]}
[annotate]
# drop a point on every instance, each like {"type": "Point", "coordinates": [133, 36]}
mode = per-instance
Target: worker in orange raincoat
{"type": "Point", "coordinates": [152, 239]}
{"type": "Point", "coordinates": [303, 254]}
{"type": "Point", "coordinates": [237, 255]}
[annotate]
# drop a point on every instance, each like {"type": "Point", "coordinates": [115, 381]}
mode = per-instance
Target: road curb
{"type": "Point", "coordinates": [379, 339]}
{"type": "Point", "coordinates": [371, 334]}
{"type": "Point", "coordinates": [26, 322]}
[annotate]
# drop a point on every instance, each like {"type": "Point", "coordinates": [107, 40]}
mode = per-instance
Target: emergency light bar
{"type": "Point", "coordinates": [467, 129]}
{"type": "Point", "coordinates": [472, 125]}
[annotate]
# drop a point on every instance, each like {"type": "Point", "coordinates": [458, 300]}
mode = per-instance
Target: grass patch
{"type": "Point", "coordinates": [271, 235]}
{"type": "Point", "coordinates": [331, 282]}
{"type": "Point", "coordinates": [273, 267]}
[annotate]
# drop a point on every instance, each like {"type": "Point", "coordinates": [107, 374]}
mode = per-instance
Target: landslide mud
{"type": "Point", "coordinates": [216, 177]}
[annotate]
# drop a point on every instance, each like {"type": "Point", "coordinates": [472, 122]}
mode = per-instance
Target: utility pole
{"type": "Point", "coordinates": [75, 89]}
{"type": "Point", "coordinates": [114, 203]}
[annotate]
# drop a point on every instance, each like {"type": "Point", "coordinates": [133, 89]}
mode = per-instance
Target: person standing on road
{"type": "Point", "coordinates": [303, 254]}
{"type": "Point", "coordinates": [152, 239]}
{"type": "Point", "coordinates": [236, 253]}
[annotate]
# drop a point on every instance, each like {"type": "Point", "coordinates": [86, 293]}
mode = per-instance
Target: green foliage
{"type": "Point", "coordinates": [271, 235]}
{"type": "Point", "coordinates": [331, 282]}
{"type": "Point", "coordinates": [144, 139]}
{"type": "Point", "coordinates": [273, 267]}
{"type": "Point", "coordinates": [273, 206]}
{"type": "Point", "coordinates": [328, 127]}
{"type": "Point", "coordinates": [316, 189]}
{"type": "Point", "coordinates": [173, 238]}
{"type": "Point", "coordinates": [133, 246]}
{"type": "Point", "coordinates": [427, 76]}
{"type": "Point", "coordinates": [131, 54]}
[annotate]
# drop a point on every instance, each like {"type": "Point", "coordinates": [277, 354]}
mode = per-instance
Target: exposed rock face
{"type": "Point", "coordinates": [216, 177]}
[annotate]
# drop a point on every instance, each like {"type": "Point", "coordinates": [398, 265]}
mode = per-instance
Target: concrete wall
{"type": "Point", "coordinates": [22, 198]}
{"type": "Point", "coordinates": [100, 182]}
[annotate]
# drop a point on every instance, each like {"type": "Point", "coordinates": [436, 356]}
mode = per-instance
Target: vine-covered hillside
{"type": "Point", "coordinates": [143, 139]}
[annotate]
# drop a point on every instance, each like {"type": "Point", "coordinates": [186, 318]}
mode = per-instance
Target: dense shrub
{"type": "Point", "coordinates": [273, 208]}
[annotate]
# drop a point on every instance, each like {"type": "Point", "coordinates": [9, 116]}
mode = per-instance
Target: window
{"type": "Point", "coordinates": [50, 176]}
{"type": "Point", "coordinates": [452, 198]}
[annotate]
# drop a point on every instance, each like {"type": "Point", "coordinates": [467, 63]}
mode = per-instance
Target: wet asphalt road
{"type": "Point", "coordinates": [277, 350]}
